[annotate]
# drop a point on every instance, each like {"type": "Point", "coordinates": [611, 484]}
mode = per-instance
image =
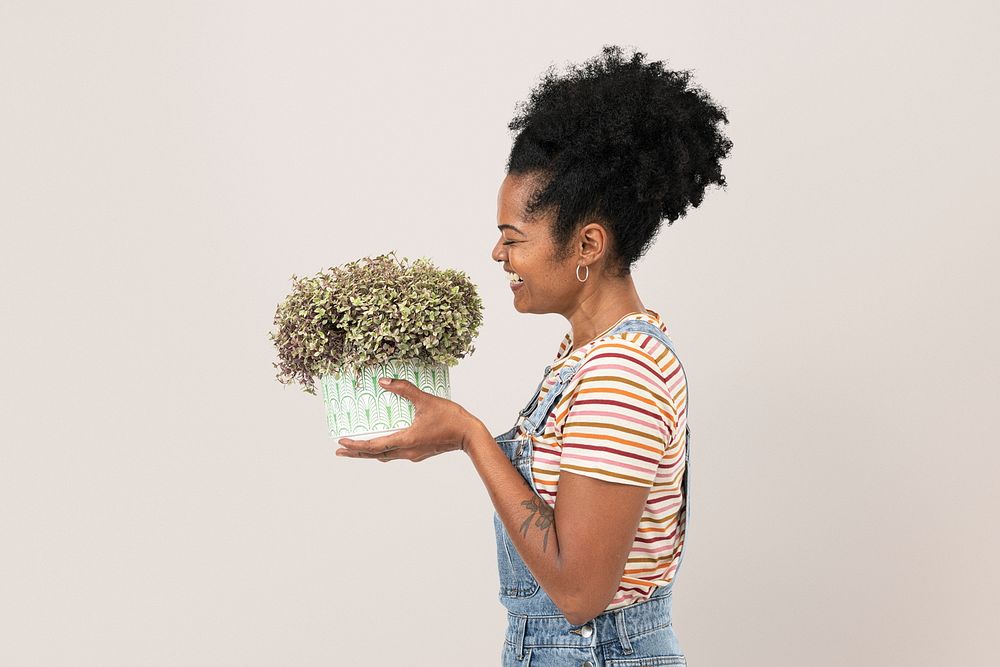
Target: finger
{"type": "Point", "coordinates": [385, 443]}
{"type": "Point", "coordinates": [394, 454]}
{"type": "Point", "coordinates": [404, 388]}
{"type": "Point", "coordinates": [391, 455]}
{"type": "Point", "coordinates": [354, 454]}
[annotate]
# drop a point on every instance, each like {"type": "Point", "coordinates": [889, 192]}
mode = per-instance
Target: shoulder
{"type": "Point", "coordinates": [632, 353]}
{"type": "Point", "coordinates": [619, 390]}
{"type": "Point", "coordinates": [622, 369]}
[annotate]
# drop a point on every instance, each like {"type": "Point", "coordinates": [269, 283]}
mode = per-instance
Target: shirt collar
{"type": "Point", "coordinates": [650, 316]}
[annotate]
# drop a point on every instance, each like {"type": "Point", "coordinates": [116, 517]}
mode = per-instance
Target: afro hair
{"type": "Point", "coordinates": [625, 141]}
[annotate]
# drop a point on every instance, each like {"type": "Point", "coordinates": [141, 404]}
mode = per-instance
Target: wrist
{"type": "Point", "coordinates": [474, 430]}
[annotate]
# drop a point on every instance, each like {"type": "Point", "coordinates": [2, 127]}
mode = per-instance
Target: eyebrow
{"type": "Point", "coordinates": [506, 226]}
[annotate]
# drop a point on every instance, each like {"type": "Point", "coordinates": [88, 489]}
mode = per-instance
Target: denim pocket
{"type": "Point", "coordinates": [516, 579]}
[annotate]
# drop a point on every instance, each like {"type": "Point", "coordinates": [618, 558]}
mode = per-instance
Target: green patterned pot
{"type": "Point", "coordinates": [361, 408]}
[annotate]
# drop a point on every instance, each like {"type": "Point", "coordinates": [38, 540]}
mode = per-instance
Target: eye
{"type": "Point", "coordinates": [509, 242]}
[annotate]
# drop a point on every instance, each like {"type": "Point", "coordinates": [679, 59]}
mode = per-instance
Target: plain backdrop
{"type": "Point", "coordinates": [165, 167]}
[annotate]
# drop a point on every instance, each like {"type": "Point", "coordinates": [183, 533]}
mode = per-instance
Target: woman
{"type": "Point", "coordinates": [602, 155]}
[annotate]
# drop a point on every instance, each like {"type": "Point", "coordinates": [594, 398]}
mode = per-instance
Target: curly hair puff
{"type": "Point", "coordinates": [627, 142]}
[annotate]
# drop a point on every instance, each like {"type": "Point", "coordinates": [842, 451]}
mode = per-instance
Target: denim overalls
{"type": "Point", "coordinates": [538, 635]}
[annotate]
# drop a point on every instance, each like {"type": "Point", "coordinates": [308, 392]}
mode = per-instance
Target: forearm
{"type": "Point", "coordinates": [529, 520]}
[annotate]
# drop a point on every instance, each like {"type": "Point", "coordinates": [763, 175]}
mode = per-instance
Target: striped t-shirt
{"type": "Point", "coordinates": [622, 419]}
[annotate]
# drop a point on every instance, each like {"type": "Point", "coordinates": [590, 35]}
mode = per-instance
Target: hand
{"type": "Point", "coordinates": [439, 426]}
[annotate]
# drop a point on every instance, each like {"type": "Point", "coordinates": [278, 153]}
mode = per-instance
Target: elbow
{"type": "Point", "coordinates": [580, 617]}
{"type": "Point", "coordinates": [580, 608]}
{"type": "Point", "coordinates": [573, 615]}
{"type": "Point", "coordinates": [583, 598]}
{"type": "Point", "coordinates": [572, 606]}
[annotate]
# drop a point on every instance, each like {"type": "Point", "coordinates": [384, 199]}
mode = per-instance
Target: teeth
{"type": "Point", "coordinates": [514, 278]}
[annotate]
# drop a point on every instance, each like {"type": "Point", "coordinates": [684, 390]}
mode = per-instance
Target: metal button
{"type": "Point", "coordinates": [587, 664]}
{"type": "Point", "coordinates": [587, 630]}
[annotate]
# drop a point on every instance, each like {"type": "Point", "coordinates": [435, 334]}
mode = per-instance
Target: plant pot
{"type": "Point", "coordinates": [358, 406]}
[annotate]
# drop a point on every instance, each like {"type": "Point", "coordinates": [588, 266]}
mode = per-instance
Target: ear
{"type": "Point", "coordinates": [594, 242]}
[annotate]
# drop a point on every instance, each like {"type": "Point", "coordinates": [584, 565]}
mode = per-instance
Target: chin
{"type": "Point", "coordinates": [528, 311]}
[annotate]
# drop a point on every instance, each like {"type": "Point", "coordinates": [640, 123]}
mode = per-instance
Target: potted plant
{"type": "Point", "coordinates": [371, 318]}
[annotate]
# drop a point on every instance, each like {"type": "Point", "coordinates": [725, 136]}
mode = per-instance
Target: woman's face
{"type": "Point", "coordinates": [527, 249]}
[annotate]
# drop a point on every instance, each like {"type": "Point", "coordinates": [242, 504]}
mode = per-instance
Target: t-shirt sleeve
{"type": "Point", "coordinates": [618, 416]}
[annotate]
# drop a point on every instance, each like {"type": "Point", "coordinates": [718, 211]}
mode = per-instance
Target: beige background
{"type": "Point", "coordinates": [166, 167]}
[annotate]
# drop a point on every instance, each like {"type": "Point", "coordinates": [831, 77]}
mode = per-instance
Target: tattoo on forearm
{"type": "Point", "coordinates": [544, 520]}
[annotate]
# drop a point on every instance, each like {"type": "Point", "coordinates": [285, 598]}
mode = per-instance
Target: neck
{"type": "Point", "coordinates": [602, 306]}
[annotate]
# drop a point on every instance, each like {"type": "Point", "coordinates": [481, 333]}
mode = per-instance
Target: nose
{"type": "Point", "coordinates": [497, 250]}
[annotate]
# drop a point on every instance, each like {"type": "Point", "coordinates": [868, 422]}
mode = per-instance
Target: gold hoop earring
{"type": "Point", "coordinates": [578, 273]}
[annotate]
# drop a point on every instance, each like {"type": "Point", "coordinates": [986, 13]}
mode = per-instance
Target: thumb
{"type": "Point", "coordinates": [404, 388]}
